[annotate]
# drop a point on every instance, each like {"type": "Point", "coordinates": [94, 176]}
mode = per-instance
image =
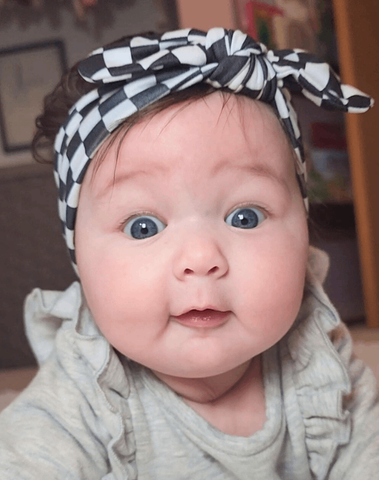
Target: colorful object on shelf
{"type": "Point", "coordinates": [329, 176]}
{"type": "Point", "coordinates": [80, 7]}
{"type": "Point", "coordinates": [260, 25]}
{"type": "Point", "coordinates": [281, 23]}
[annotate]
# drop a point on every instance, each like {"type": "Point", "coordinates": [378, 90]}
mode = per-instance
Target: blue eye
{"type": "Point", "coordinates": [245, 217]}
{"type": "Point", "coordinates": [143, 227]}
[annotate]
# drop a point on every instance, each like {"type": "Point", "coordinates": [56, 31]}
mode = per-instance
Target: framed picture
{"type": "Point", "coordinates": [27, 74]}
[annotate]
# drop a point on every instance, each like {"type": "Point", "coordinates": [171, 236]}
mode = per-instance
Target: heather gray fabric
{"type": "Point", "coordinates": [174, 442]}
{"type": "Point", "coordinates": [91, 415]}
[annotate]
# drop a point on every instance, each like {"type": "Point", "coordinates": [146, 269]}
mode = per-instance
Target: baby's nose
{"type": "Point", "coordinates": [200, 256]}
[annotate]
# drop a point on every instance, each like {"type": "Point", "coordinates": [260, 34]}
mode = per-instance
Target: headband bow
{"type": "Point", "coordinates": [136, 72]}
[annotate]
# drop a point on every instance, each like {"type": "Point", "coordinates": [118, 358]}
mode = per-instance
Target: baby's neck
{"type": "Point", "coordinates": [233, 402]}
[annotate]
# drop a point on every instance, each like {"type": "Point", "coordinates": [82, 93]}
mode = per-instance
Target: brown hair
{"type": "Point", "coordinates": [55, 111]}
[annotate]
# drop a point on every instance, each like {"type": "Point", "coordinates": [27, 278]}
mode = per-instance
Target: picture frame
{"type": "Point", "coordinates": [27, 74]}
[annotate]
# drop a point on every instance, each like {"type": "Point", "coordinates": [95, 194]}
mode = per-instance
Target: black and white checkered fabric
{"type": "Point", "coordinates": [137, 72]}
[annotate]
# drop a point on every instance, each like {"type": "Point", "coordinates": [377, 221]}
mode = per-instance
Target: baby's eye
{"type": "Point", "coordinates": [143, 227]}
{"type": "Point", "coordinates": [245, 217]}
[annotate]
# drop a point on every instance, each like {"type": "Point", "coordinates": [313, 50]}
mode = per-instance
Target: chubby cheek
{"type": "Point", "coordinates": [121, 291]}
{"type": "Point", "coordinates": [272, 282]}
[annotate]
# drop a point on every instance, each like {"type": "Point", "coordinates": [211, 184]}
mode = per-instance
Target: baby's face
{"type": "Point", "coordinates": [201, 213]}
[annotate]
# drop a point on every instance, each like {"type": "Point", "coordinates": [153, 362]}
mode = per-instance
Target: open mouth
{"type": "Point", "coordinates": [203, 318]}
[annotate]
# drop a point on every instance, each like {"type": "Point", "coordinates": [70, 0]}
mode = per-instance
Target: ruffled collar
{"type": "Point", "coordinates": [313, 374]}
{"type": "Point", "coordinates": [60, 324]}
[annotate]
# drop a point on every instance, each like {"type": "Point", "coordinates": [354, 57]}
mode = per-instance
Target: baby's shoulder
{"type": "Point", "coordinates": [64, 424]}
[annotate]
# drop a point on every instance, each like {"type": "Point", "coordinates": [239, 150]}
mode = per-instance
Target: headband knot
{"type": "Point", "coordinates": [240, 63]}
{"type": "Point", "coordinates": [137, 71]}
{"type": "Point", "coordinates": [222, 58]}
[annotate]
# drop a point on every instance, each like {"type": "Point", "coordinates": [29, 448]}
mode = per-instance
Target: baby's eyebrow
{"type": "Point", "coordinates": [258, 169]}
{"type": "Point", "coordinates": [118, 179]}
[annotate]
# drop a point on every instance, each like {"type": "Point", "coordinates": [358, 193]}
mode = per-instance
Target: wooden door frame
{"type": "Point", "coordinates": [358, 40]}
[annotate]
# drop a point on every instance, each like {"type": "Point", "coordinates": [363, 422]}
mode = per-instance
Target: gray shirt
{"type": "Point", "coordinates": [92, 414]}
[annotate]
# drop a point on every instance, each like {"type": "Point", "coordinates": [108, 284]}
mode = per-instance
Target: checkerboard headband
{"type": "Point", "coordinates": [139, 71]}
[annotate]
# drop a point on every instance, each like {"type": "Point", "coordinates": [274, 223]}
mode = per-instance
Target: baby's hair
{"type": "Point", "coordinates": [56, 106]}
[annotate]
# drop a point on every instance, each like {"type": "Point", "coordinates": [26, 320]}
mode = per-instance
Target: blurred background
{"type": "Point", "coordinates": [40, 39]}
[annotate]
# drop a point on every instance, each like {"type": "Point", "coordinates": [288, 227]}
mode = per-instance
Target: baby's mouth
{"type": "Point", "coordinates": [208, 318]}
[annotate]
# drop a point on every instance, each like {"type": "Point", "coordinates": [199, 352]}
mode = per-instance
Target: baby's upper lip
{"type": "Point", "coordinates": [200, 309]}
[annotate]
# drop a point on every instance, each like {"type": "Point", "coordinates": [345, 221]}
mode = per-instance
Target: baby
{"type": "Point", "coordinates": [199, 343]}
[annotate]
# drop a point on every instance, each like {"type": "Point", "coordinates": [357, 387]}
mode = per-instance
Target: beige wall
{"type": "Point", "coordinates": [79, 40]}
{"type": "Point", "coordinates": [205, 14]}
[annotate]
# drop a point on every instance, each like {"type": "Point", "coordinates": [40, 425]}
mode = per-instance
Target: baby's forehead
{"type": "Point", "coordinates": [216, 108]}
{"type": "Point", "coordinates": [224, 130]}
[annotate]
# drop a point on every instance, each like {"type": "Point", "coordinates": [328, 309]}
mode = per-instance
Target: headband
{"type": "Point", "coordinates": [138, 71]}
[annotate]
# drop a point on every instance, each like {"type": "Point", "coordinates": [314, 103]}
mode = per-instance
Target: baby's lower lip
{"type": "Point", "coordinates": [203, 319]}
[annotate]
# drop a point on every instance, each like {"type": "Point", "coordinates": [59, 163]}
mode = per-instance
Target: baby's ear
{"type": "Point", "coordinates": [318, 264]}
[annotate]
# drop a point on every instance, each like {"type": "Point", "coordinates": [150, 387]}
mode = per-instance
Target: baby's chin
{"type": "Point", "coordinates": [202, 371]}
{"type": "Point", "coordinates": [205, 389]}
